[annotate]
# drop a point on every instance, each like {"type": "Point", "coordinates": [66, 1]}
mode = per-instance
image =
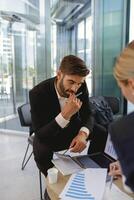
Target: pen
{"type": "Point", "coordinates": [112, 178]}
{"type": "Point", "coordinates": [77, 95]}
{"type": "Point", "coordinates": [111, 181]}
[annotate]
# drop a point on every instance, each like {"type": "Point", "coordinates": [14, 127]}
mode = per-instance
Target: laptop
{"type": "Point", "coordinates": [100, 159]}
{"type": "Point", "coordinates": [68, 164]}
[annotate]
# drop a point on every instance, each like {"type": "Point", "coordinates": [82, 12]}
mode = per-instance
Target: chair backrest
{"type": "Point", "coordinates": [114, 103]}
{"type": "Point", "coordinates": [25, 116]}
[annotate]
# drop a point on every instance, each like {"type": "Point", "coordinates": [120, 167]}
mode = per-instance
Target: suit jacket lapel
{"type": "Point", "coordinates": [55, 101]}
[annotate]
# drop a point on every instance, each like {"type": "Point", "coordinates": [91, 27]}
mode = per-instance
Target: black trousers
{"type": "Point", "coordinates": [43, 152]}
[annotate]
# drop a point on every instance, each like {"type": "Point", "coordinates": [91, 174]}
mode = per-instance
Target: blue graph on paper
{"type": "Point", "coordinates": [77, 188]}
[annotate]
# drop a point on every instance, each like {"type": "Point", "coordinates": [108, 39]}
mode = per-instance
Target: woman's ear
{"type": "Point", "coordinates": [131, 83]}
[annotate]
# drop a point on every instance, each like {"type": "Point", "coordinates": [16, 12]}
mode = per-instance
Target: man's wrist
{"type": "Point", "coordinates": [85, 130]}
{"type": "Point", "coordinates": [86, 135]}
{"type": "Point", "coordinates": [83, 134]}
{"type": "Point", "coordinates": [65, 115]}
{"type": "Point", "coordinates": [61, 121]}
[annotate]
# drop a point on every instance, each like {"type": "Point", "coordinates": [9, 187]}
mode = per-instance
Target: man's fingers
{"type": "Point", "coordinates": [115, 169]}
{"type": "Point", "coordinates": [75, 147]}
{"type": "Point", "coordinates": [82, 148]}
{"type": "Point", "coordinates": [114, 173]}
{"type": "Point", "coordinates": [79, 147]}
{"type": "Point", "coordinates": [72, 143]}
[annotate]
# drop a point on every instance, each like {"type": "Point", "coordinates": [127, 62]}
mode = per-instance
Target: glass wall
{"type": "Point", "coordinates": [36, 34]}
{"type": "Point", "coordinates": [88, 40]}
{"type": "Point", "coordinates": [81, 40]}
{"type": "Point", "coordinates": [53, 48]}
{"type": "Point", "coordinates": [108, 40]}
{"type": "Point", "coordinates": [22, 51]}
{"type": "Point", "coordinates": [72, 26]}
{"type": "Point", "coordinates": [6, 70]}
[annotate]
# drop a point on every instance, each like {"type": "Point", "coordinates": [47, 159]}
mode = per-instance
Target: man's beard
{"type": "Point", "coordinates": [62, 90]}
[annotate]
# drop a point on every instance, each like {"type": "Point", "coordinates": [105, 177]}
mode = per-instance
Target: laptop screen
{"type": "Point", "coordinates": [109, 149]}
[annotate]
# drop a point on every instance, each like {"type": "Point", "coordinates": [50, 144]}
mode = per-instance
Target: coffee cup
{"type": "Point", "coordinates": [52, 175]}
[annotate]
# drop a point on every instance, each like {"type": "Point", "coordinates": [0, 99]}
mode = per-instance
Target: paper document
{"type": "Point", "coordinates": [88, 184]}
{"type": "Point", "coordinates": [62, 156]}
{"type": "Point", "coordinates": [72, 154]}
{"type": "Point", "coordinates": [115, 194]}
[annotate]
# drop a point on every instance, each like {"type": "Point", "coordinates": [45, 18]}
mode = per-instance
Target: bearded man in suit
{"type": "Point", "coordinates": [60, 119]}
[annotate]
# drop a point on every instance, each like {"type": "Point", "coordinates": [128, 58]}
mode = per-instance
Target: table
{"type": "Point", "coordinates": [53, 190]}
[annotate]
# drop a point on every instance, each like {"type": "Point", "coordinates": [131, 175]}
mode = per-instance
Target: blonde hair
{"type": "Point", "coordinates": [124, 67]}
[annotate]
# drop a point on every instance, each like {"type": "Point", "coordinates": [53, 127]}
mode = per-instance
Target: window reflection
{"type": "Point", "coordinates": [34, 37]}
{"type": "Point", "coordinates": [88, 40]}
{"type": "Point", "coordinates": [81, 40]}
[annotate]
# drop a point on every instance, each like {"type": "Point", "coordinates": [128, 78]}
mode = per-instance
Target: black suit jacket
{"type": "Point", "coordinates": [45, 107]}
{"type": "Point", "coordinates": [122, 135]}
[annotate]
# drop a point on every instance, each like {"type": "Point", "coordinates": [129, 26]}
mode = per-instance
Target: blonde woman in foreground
{"type": "Point", "coordinates": [122, 131]}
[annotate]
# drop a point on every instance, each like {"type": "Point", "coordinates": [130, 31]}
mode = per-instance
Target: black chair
{"type": "Point", "coordinates": [114, 104]}
{"type": "Point", "coordinates": [25, 120]}
{"type": "Point", "coordinates": [105, 109]}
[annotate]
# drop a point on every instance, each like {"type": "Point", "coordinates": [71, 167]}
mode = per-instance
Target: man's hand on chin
{"type": "Point", "coordinates": [79, 143]}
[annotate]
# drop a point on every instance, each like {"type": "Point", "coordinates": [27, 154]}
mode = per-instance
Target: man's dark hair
{"type": "Point", "coordinates": [72, 65]}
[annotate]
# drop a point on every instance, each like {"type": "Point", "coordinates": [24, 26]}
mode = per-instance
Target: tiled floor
{"type": "Point", "coordinates": [16, 184]}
